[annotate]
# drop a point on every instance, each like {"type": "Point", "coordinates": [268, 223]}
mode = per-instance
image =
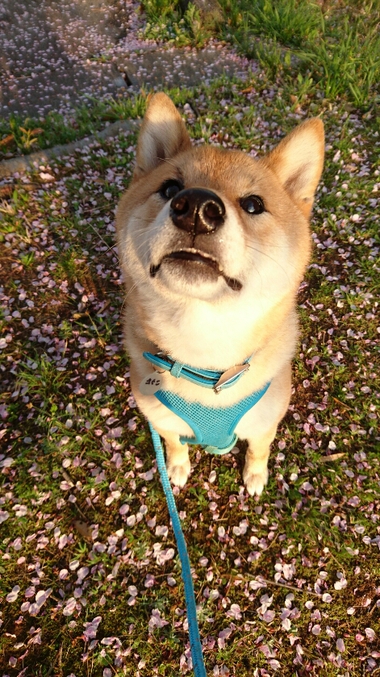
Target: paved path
{"type": "Point", "coordinates": [57, 54]}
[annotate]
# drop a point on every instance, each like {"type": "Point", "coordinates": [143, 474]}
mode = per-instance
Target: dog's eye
{"type": "Point", "coordinates": [252, 204]}
{"type": "Point", "coordinates": [170, 188]}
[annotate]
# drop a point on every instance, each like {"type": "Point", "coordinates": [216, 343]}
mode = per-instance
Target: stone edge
{"type": "Point", "coordinates": [25, 162]}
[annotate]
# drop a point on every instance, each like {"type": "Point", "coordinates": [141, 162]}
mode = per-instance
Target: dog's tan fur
{"type": "Point", "coordinates": [200, 320]}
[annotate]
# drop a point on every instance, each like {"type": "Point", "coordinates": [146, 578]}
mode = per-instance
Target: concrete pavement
{"type": "Point", "coordinates": [58, 54]}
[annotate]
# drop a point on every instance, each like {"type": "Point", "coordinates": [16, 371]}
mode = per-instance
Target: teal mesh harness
{"type": "Point", "coordinates": [213, 427]}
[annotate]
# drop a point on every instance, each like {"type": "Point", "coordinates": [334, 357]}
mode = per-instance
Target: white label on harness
{"type": "Point", "coordinates": [150, 384]}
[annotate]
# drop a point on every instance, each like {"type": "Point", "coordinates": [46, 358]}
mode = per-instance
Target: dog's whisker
{"type": "Point", "coordinates": [129, 292]}
{"type": "Point", "coordinates": [259, 251]}
{"type": "Point", "coordinates": [272, 244]}
{"type": "Point", "coordinates": [170, 162]}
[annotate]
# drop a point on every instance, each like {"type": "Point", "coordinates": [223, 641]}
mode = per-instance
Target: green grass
{"type": "Point", "coordinates": [170, 24]}
{"type": "Point", "coordinates": [336, 49]}
{"type": "Point", "coordinates": [290, 22]}
{"type": "Point", "coordinates": [67, 461]}
{"type": "Point", "coordinates": [30, 135]}
{"type": "Point", "coordinates": [315, 51]}
{"type": "Point", "coordinates": [72, 438]}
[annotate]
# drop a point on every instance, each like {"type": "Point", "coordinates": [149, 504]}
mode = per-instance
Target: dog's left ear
{"type": "Point", "coordinates": [163, 135]}
{"type": "Point", "coordinates": [298, 162]}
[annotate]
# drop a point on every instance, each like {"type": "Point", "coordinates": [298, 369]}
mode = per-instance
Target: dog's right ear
{"type": "Point", "coordinates": [163, 135]}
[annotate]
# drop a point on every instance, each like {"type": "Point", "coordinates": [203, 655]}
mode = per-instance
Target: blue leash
{"type": "Point", "coordinates": [195, 641]}
{"type": "Point", "coordinates": [201, 420]}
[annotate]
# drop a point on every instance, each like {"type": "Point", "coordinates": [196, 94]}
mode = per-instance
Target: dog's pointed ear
{"type": "Point", "coordinates": [298, 162]}
{"type": "Point", "coordinates": [163, 135]}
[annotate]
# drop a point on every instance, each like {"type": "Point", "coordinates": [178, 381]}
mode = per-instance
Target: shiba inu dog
{"type": "Point", "coordinates": [213, 245]}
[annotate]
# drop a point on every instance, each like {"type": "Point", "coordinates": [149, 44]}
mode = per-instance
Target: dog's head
{"type": "Point", "coordinates": [208, 223]}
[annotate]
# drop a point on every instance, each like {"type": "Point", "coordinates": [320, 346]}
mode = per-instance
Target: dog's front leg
{"type": "Point", "coordinates": [177, 458]}
{"type": "Point", "coordinates": [255, 473]}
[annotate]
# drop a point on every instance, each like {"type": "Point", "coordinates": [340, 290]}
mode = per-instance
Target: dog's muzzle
{"type": "Point", "coordinates": [197, 211]}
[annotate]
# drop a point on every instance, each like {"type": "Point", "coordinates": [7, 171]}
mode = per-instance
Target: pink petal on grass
{"type": "Point", "coordinates": [12, 596]}
{"type": "Point", "coordinates": [156, 621]}
{"type": "Point", "coordinates": [3, 516]}
{"type": "Point", "coordinates": [149, 581]}
{"type": "Point", "coordinates": [340, 645]}
{"type": "Point", "coordinates": [370, 634]}
{"type": "Point", "coordinates": [70, 607]}
{"type": "Point", "coordinates": [268, 616]}
{"type": "Point", "coordinates": [234, 612]}
{"type": "Point", "coordinates": [42, 596]}
{"type": "Point", "coordinates": [92, 628]}
{"type": "Point", "coordinates": [82, 573]}
{"type": "Point", "coordinates": [223, 635]}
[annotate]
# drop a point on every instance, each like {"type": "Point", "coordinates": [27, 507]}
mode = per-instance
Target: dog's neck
{"type": "Point", "coordinates": [199, 334]}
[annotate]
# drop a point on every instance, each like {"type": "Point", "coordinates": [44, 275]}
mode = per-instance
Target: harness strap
{"type": "Point", "coordinates": [208, 378]}
{"type": "Point", "coordinates": [213, 427]}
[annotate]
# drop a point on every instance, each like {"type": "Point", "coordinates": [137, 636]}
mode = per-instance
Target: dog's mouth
{"type": "Point", "coordinates": [192, 257]}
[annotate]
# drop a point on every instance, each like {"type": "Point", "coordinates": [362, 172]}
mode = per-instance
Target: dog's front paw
{"type": "Point", "coordinates": [179, 473]}
{"type": "Point", "coordinates": [255, 482]}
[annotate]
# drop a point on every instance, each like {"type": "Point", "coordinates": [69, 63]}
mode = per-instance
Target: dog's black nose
{"type": "Point", "coordinates": [197, 211]}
